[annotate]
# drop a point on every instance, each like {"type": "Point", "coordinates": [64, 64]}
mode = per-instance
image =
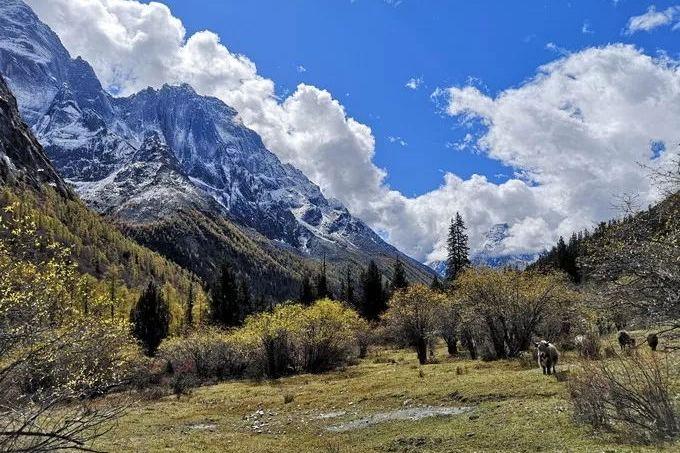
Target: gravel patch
{"type": "Point", "coordinates": [412, 414]}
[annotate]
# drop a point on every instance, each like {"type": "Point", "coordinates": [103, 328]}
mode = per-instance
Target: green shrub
{"type": "Point", "coordinates": [289, 339]}
{"type": "Point", "coordinates": [293, 338]}
{"type": "Point", "coordinates": [208, 354]}
{"type": "Point", "coordinates": [329, 336]}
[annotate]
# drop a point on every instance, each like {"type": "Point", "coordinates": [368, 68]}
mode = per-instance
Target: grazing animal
{"type": "Point", "coordinates": [625, 340]}
{"type": "Point", "coordinates": [579, 343]}
{"type": "Point", "coordinates": [653, 341]}
{"type": "Point", "coordinates": [547, 356]}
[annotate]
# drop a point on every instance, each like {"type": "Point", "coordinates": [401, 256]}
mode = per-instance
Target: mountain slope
{"type": "Point", "coordinates": [629, 239]}
{"type": "Point", "coordinates": [21, 158]}
{"type": "Point", "coordinates": [206, 171]}
{"type": "Point", "coordinates": [30, 187]}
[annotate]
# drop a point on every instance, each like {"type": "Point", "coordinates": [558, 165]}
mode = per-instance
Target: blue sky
{"type": "Point", "coordinates": [329, 91]}
{"type": "Point", "coordinates": [365, 51]}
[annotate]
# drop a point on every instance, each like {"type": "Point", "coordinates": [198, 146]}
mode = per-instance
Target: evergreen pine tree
{"type": "Point", "coordinates": [322, 290]}
{"type": "Point", "coordinates": [399, 280]}
{"type": "Point", "coordinates": [458, 249]}
{"type": "Point", "coordinates": [307, 296]}
{"type": "Point", "coordinates": [224, 308]}
{"type": "Point", "coordinates": [561, 254]}
{"type": "Point", "coordinates": [244, 300]}
{"type": "Point", "coordinates": [373, 298]}
{"type": "Point", "coordinates": [150, 319]}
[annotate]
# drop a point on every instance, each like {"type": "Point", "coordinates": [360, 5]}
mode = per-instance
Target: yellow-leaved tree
{"type": "Point", "coordinates": [58, 348]}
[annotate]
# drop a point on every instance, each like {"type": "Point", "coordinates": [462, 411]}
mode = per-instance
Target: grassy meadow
{"type": "Point", "coordinates": [511, 408]}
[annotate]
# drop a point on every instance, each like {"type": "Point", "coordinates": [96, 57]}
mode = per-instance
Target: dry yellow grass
{"type": "Point", "coordinates": [514, 409]}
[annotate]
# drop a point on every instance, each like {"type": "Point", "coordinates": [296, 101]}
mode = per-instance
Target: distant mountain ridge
{"type": "Point", "coordinates": [492, 252]}
{"type": "Point", "coordinates": [169, 158]}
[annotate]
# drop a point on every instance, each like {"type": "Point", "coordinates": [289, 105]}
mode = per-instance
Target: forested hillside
{"type": "Point", "coordinates": [182, 174]}
{"type": "Point", "coordinates": [33, 191]}
{"type": "Point", "coordinates": [632, 261]}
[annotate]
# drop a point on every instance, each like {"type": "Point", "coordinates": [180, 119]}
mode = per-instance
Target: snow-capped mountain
{"type": "Point", "coordinates": [492, 252]}
{"type": "Point", "coordinates": [160, 151]}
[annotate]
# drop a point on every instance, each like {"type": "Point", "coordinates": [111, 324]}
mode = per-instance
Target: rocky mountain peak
{"type": "Point", "coordinates": [138, 158]}
{"type": "Point", "coordinates": [22, 159]}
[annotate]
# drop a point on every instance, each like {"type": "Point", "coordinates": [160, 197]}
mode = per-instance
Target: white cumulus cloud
{"type": "Point", "coordinates": [573, 133]}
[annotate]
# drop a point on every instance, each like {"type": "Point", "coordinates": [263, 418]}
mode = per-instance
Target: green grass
{"type": "Point", "coordinates": [515, 409]}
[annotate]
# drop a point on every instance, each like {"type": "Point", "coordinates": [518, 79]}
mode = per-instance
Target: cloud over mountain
{"type": "Point", "coordinates": [574, 132]}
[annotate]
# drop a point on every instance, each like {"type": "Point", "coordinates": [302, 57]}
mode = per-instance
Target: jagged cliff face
{"type": "Point", "coordinates": [159, 152]}
{"type": "Point", "coordinates": [22, 159]}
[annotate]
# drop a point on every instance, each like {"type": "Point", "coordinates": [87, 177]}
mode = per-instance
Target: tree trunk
{"type": "Point", "coordinates": [470, 344]}
{"type": "Point", "coordinates": [497, 340]}
{"type": "Point", "coordinates": [421, 350]}
{"type": "Point", "coordinates": [452, 345]}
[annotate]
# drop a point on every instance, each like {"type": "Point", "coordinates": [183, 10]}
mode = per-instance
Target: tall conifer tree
{"type": "Point", "coordinates": [322, 290]}
{"type": "Point", "coordinates": [245, 301]}
{"type": "Point", "coordinates": [399, 280]}
{"type": "Point", "coordinates": [224, 307]}
{"type": "Point", "coordinates": [458, 249]}
{"type": "Point", "coordinates": [349, 288]}
{"type": "Point", "coordinates": [436, 284]}
{"type": "Point", "coordinates": [307, 296]}
{"type": "Point", "coordinates": [373, 302]}
{"type": "Point", "coordinates": [150, 319]}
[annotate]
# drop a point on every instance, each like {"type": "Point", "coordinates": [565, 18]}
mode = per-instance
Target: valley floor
{"type": "Point", "coordinates": [385, 403]}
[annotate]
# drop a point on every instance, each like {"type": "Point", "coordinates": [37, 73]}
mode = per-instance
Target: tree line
{"type": "Point", "coordinates": [230, 301]}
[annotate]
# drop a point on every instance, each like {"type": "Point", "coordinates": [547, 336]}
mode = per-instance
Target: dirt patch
{"type": "Point", "coordinates": [412, 414]}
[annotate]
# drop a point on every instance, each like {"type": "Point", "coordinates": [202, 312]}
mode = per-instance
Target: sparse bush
{"type": "Point", "coordinates": [412, 317]}
{"type": "Point", "coordinates": [209, 354]}
{"type": "Point", "coordinates": [526, 360]}
{"type": "Point", "coordinates": [610, 352]}
{"type": "Point", "coordinates": [629, 394]}
{"type": "Point", "coordinates": [591, 348]}
{"type": "Point", "coordinates": [449, 320]}
{"type": "Point", "coordinates": [365, 336]}
{"type": "Point", "coordinates": [328, 336]}
{"type": "Point", "coordinates": [505, 309]}
{"type": "Point", "coordinates": [292, 338]}
{"type": "Point", "coordinates": [183, 384]}
{"type": "Point", "coordinates": [288, 398]}
{"type": "Point", "coordinates": [273, 335]}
